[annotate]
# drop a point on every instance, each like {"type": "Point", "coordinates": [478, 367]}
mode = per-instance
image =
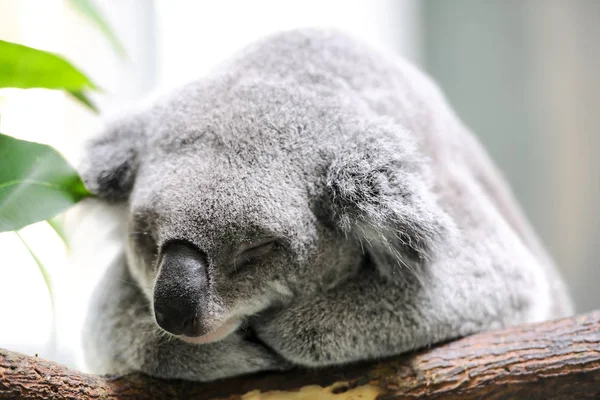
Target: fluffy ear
{"type": "Point", "coordinates": [110, 162]}
{"type": "Point", "coordinates": [379, 194]}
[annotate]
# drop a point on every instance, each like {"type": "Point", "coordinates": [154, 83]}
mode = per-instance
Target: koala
{"type": "Point", "coordinates": [311, 202]}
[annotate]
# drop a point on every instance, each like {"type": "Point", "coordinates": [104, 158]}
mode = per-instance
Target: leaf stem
{"type": "Point", "coordinates": [48, 281]}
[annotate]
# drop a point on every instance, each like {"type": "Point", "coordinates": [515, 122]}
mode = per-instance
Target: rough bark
{"type": "Point", "coordinates": [552, 360]}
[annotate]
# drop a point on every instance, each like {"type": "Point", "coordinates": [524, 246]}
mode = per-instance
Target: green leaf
{"type": "Point", "coordinates": [89, 10]}
{"type": "Point", "coordinates": [36, 183]}
{"type": "Point", "coordinates": [82, 97]}
{"type": "Point", "coordinates": [25, 67]}
{"type": "Point", "coordinates": [57, 224]}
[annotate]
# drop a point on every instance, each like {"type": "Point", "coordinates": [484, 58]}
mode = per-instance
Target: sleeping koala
{"type": "Point", "coordinates": [311, 202]}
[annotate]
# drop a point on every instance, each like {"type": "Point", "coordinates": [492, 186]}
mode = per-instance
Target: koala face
{"type": "Point", "coordinates": [226, 216]}
{"type": "Point", "coordinates": [212, 246]}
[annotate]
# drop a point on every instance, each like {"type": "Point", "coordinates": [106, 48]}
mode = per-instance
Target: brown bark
{"type": "Point", "coordinates": [552, 360]}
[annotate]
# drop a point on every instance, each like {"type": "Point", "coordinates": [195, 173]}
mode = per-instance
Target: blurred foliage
{"type": "Point", "coordinates": [89, 10]}
{"type": "Point", "coordinates": [36, 183]}
{"type": "Point", "coordinates": [25, 67]}
{"type": "Point", "coordinates": [42, 268]}
{"type": "Point", "coordinates": [57, 225]}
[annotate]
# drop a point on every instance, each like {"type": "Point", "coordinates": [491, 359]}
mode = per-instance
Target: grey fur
{"type": "Point", "coordinates": [393, 230]}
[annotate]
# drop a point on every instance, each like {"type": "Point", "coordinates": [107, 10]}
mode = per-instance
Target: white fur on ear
{"type": "Point", "coordinates": [379, 195]}
{"type": "Point", "coordinates": [110, 162]}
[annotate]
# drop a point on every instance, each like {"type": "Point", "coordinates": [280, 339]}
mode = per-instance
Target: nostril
{"type": "Point", "coordinates": [169, 324]}
{"type": "Point", "coordinates": [190, 326]}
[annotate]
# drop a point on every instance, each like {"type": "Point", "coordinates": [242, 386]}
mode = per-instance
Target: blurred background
{"type": "Point", "coordinates": [523, 75]}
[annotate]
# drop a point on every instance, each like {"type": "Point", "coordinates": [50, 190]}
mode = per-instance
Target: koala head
{"type": "Point", "coordinates": [241, 198]}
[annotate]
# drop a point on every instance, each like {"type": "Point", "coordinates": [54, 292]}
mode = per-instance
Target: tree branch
{"type": "Point", "coordinates": [551, 360]}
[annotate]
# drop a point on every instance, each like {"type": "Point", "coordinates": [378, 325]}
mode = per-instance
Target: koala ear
{"type": "Point", "coordinates": [110, 162]}
{"type": "Point", "coordinates": [379, 195]}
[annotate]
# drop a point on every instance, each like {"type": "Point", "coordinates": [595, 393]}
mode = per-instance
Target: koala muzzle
{"type": "Point", "coordinates": [180, 288]}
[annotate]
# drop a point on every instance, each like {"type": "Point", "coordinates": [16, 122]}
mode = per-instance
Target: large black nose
{"type": "Point", "coordinates": [180, 286]}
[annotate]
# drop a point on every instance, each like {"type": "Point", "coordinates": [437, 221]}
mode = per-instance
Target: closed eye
{"type": "Point", "coordinates": [253, 252]}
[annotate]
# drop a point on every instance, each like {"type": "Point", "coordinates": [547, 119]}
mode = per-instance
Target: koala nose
{"type": "Point", "coordinates": [180, 286]}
